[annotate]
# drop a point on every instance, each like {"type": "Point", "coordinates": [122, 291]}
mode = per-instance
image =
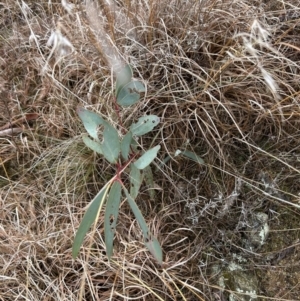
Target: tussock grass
{"type": "Point", "coordinates": [224, 78]}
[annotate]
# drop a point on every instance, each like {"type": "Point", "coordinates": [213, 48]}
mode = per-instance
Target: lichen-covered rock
{"type": "Point", "coordinates": [257, 231]}
{"type": "Point", "coordinates": [238, 284]}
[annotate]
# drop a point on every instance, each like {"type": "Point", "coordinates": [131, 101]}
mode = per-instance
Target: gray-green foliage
{"type": "Point", "coordinates": [122, 153]}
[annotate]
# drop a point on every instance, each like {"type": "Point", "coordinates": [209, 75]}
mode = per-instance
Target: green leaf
{"type": "Point", "coordinates": [128, 99]}
{"type": "Point", "coordinates": [163, 163]}
{"type": "Point", "coordinates": [88, 219]}
{"type": "Point", "coordinates": [111, 143]}
{"type": "Point", "coordinates": [137, 213]}
{"type": "Point", "coordinates": [125, 145]}
{"type": "Point", "coordinates": [155, 249]}
{"type": "Point", "coordinates": [147, 158]}
{"type": "Point", "coordinates": [123, 78]}
{"type": "Point", "coordinates": [135, 181]}
{"type": "Point", "coordinates": [151, 243]}
{"type": "Point", "coordinates": [91, 121]}
{"type": "Point", "coordinates": [148, 176]}
{"type": "Point", "coordinates": [93, 145]}
{"type": "Point", "coordinates": [130, 93]}
{"type": "Point", "coordinates": [134, 145]}
{"type": "Point", "coordinates": [144, 125]}
{"type": "Point", "coordinates": [192, 155]}
{"type": "Point", "coordinates": [110, 147]}
{"type": "Point", "coordinates": [111, 216]}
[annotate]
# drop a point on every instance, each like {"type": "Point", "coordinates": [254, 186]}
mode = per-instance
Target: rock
{"type": "Point", "coordinates": [257, 231]}
{"type": "Point", "coordinates": [243, 284]}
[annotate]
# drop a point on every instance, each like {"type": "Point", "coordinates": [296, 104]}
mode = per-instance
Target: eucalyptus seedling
{"type": "Point", "coordinates": [122, 153]}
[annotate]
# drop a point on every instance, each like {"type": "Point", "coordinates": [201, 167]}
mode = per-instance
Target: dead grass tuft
{"type": "Point", "coordinates": [224, 78]}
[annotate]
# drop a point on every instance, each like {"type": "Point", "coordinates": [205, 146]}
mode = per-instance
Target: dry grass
{"type": "Point", "coordinates": [223, 76]}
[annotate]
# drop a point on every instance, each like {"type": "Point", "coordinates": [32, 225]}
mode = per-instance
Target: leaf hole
{"type": "Point", "coordinates": [100, 130]}
{"type": "Point", "coordinates": [111, 218]}
{"type": "Point", "coordinates": [132, 91]}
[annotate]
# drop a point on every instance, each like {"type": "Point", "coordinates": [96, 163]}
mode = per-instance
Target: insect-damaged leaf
{"type": "Point", "coordinates": [135, 181]}
{"type": "Point", "coordinates": [144, 125]}
{"type": "Point", "coordinates": [91, 121]}
{"type": "Point", "coordinates": [148, 176]}
{"type": "Point", "coordinates": [110, 147]}
{"type": "Point", "coordinates": [93, 145]}
{"type": "Point", "coordinates": [111, 216]}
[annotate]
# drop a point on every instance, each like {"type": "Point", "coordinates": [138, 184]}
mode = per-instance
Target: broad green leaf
{"type": "Point", "coordinates": [144, 125]}
{"type": "Point", "coordinates": [93, 145]}
{"type": "Point", "coordinates": [125, 145]}
{"type": "Point", "coordinates": [110, 147]}
{"type": "Point", "coordinates": [111, 216]}
{"type": "Point", "coordinates": [155, 249]}
{"type": "Point", "coordinates": [88, 219]}
{"type": "Point", "coordinates": [91, 121]}
{"type": "Point", "coordinates": [148, 176]}
{"type": "Point", "coordinates": [151, 243]}
{"type": "Point", "coordinates": [135, 181]}
{"type": "Point", "coordinates": [147, 158]}
{"type": "Point", "coordinates": [128, 99]}
{"type": "Point", "coordinates": [111, 143]}
{"type": "Point", "coordinates": [130, 93]}
{"type": "Point", "coordinates": [123, 78]}
{"type": "Point", "coordinates": [192, 156]}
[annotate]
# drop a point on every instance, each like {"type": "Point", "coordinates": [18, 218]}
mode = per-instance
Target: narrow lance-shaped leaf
{"type": "Point", "coordinates": [111, 143]}
{"type": "Point", "coordinates": [148, 176]}
{"type": "Point", "coordinates": [147, 157]}
{"type": "Point", "coordinates": [151, 243]}
{"type": "Point", "coordinates": [192, 156]}
{"type": "Point", "coordinates": [123, 78]}
{"type": "Point", "coordinates": [125, 145]}
{"type": "Point", "coordinates": [91, 121]}
{"type": "Point", "coordinates": [111, 216]}
{"type": "Point", "coordinates": [134, 145]}
{"type": "Point", "coordinates": [137, 213]}
{"type": "Point", "coordinates": [155, 249]}
{"type": "Point", "coordinates": [163, 163]}
{"type": "Point", "coordinates": [144, 125]}
{"type": "Point", "coordinates": [88, 219]}
{"type": "Point", "coordinates": [135, 181]}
